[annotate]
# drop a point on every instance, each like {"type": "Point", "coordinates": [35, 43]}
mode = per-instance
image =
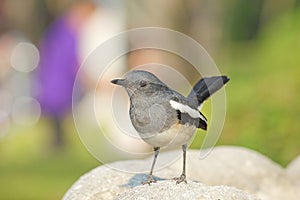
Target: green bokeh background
{"type": "Point", "coordinates": [263, 113]}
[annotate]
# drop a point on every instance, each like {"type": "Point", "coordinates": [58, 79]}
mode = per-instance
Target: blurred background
{"type": "Point", "coordinates": [42, 44]}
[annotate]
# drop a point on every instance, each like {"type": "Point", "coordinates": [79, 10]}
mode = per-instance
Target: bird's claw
{"type": "Point", "coordinates": [150, 180]}
{"type": "Point", "coordinates": [180, 179]}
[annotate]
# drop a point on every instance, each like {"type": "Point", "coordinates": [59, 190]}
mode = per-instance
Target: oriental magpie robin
{"type": "Point", "coordinates": [162, 116]}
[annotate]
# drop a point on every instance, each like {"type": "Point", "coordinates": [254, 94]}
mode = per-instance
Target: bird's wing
{"type": "Point", "coordinates": [187, 113]}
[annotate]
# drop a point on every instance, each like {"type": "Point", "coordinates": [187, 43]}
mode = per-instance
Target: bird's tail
{"type": "Point", "coordinates": [205, 88]}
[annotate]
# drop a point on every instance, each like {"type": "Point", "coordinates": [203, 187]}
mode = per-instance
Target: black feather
{"type": "Point", "coordinates": [205, 88]}
{"type": "Point", "coordinates": [178, 114]}
{"type": "Point", "coordinates": [184, 118]}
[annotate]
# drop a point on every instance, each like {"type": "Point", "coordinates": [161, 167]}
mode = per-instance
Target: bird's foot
{"type": "Point", "coordinates": [150, 180]}
{"type": "Point", "coordinates": [180, 179]}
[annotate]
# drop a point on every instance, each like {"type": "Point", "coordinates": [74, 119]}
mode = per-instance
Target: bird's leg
{"type": "Point", "coordinates": [150, 178]}
{"type": "Point", "coordinates": [182, 177]}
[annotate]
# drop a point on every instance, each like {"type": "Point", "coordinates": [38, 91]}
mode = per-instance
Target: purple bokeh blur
{"type": "Point", "coordinates": [57, 68]}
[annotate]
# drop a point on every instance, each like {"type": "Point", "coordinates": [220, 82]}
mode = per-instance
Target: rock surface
{"type": "Point", "coordinates": [166, 190]}
{"type": "Point", "coordinates": [234, 167]}
{"type": "Point", "coordinates": [293, 171]}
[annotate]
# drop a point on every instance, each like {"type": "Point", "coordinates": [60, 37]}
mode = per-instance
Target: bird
{"type": "Point", "coordinates": [162, 116]}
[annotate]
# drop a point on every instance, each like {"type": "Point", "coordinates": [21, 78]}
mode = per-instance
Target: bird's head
{"type": "Point", "coordinates": [139, 80]}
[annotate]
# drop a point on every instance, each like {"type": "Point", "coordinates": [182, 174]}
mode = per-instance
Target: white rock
{"type": "Point", "coordinates": [166, 190]}
{"type": "Point", "coordinates": [237, 167]}
{"type": "Point", "coordinates": [102, 183]}
{"type": "Point", "coordinates": [293, 170]}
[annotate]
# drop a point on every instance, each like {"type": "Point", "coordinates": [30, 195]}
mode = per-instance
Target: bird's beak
{"type": "Point", "coordinates": [119, 81]}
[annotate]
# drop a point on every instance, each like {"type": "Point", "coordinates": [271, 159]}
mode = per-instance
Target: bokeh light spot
{"type": "Point", "coordinates": [4, 124]}
{"type": "Point", "coordinates": [26, 111]}
{"type": "Point", "coordinates": [25, 57]}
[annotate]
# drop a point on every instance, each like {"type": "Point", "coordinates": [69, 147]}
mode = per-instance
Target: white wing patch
{"type": "Point", "coordinates": [200, 106]}
{"type": "Point", "coordinates": [186, 109]}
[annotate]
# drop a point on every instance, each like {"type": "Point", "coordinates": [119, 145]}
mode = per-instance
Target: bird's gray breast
{"type": "Point", "coordinates": [151, 114]}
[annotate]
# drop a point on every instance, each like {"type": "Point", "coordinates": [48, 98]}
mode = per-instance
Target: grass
{"type": "Point", "coordinates": [30, 169]}
{"type": "Point", "coordinates": [263, 94]}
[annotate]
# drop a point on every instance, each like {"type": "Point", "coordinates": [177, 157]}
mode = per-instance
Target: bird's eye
{"type": "Point", "coordinates": [143, 83]}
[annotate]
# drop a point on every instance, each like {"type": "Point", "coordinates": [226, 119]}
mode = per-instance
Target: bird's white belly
{"type": "Point", "coordinates": [177, 135]}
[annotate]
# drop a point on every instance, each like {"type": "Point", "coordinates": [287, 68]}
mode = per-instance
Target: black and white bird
{"type": "Point", "coordinates": [162, 116]}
